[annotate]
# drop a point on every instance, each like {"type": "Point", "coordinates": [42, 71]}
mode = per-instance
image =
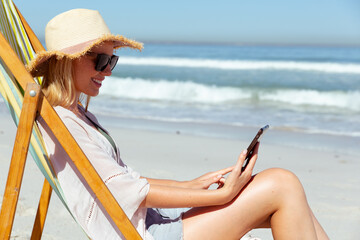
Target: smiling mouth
{"type": "Point", "coordinates": [96, 81]}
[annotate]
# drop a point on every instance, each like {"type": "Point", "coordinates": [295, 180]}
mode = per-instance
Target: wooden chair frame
{"type": "Point", "coordinates": [35, 104]}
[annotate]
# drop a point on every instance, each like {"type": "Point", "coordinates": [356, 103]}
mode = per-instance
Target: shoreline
{"type": "Point", "coordinates": [329, 175]}
{"type": "Point", "coordinates": [287, 137]}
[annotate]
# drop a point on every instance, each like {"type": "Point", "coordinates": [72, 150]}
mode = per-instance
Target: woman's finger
{"type": "Point", "coordinates": [221, 180]}
{"type": "Point", "coordinates": [225, 170]}
{"type": "Point", "coordinates": [217, 175]}
{"type": "Point", "coordinates": [253, 159]}
{"type": "Point", "coordinates": [241, 160]}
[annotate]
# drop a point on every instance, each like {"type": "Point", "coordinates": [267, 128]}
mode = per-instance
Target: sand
{"type": "Point", "coordinates": [329, 174]}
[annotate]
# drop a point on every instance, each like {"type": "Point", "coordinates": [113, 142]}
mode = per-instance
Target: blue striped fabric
{"type": "Point", "coordinates": [13, 30]}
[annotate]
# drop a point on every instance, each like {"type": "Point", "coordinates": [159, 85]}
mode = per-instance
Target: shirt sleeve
{"type": "Point", "coordinates": [127, 187]}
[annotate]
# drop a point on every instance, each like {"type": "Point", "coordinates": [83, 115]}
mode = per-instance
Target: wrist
{"type": "Point", "coordinates": [185, 184]}
{"type": "Point", "coordinates": [226, 194]}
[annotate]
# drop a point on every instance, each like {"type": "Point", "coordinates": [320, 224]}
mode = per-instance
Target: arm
{"type": "Point", "coordinates": [173, 197]}
{"type": "Point", "coordinates": [202, 182]}
{"type": "Point", "coordinates": [166, 182]}
{"type": "Point", "coordinates": [170, 196]}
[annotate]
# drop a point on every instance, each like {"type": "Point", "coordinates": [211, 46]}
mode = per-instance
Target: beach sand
{"type": "Point", "coordinates": [330, 177]}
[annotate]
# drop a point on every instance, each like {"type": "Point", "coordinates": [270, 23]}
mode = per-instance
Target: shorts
{"type": "Point", "coordinates": [165, 224]}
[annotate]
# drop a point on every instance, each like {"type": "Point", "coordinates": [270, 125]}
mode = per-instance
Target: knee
{"type": "Point", "coordinates": [282, 180]}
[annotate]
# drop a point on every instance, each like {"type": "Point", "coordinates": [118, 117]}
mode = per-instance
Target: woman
{"type": "Point", "coordinates": [79, 57]}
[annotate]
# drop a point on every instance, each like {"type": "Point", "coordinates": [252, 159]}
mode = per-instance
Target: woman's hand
{"type": "Point", "coordinates": [206, 180]}
{"type": "Point", "coordinates": [237, 179]}
{"type": "Point", "coordinates": [194, 193]}
{"type": "Point", "coordinates": [174, 194]}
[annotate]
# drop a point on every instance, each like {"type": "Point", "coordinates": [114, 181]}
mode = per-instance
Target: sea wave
{"type": "Point", "coordinates": [162, 90]}
{"type": "Point", "coordinates": [346, 100]}
{"type": "Point", "coordinates": [190, 92]}
{"type": "Point", "coordinates": [327, 67]}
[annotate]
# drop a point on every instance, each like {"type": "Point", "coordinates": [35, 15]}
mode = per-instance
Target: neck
{"type": "Point", "coordinates": [73, 106]}
{"type": "Point", "coordinates": [75, 109]}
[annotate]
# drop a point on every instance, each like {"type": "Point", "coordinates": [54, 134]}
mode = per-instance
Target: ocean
{"type": "Point", "coordinates": [303, 89]}
{"type": "Point", "coordinates": [308, 90]}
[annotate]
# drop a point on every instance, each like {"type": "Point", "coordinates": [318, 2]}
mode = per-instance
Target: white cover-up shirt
{"type": "Point", "coordinates": [125, 184]}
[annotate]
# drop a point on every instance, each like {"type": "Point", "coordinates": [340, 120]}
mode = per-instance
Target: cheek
{"type": "Point", "coordinates": [83, 70]}
{"type": "Point", "coordinates": [77, 73]}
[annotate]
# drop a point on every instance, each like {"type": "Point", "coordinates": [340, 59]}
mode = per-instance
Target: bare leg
{"type": "Point", "coordinates": [320, 232]}
{"type": "Point", "coordinates": [273, 198]}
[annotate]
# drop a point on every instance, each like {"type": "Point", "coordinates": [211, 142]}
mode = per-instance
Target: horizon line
{"type": "Point", "coordinates": [255, 44]}
{"type": "Point", "coordinates": [245, 44]}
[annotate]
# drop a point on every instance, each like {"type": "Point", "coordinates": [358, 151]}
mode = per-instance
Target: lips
{"type": "Point", "coordinates": [98, 82]}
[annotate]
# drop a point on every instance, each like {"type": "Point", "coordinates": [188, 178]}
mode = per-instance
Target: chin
{"type": "Point", "coordinates": [93, 94]}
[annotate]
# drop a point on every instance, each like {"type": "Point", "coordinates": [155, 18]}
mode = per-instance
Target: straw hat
{"type": "Point", "coordinates": [73, 33]}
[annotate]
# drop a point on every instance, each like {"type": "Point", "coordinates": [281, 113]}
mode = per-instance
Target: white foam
{"type": "Point", "coordinates": [243, 64]}
{"type": "Point", "coordinates": [190, 92]}
{"type": "Point", "coordinates": [162, 90]}
{"type": "Point", "coordinates": [346, 100]}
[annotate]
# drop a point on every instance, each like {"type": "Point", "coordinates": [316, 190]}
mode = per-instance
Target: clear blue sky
{"type": "Point", "coordinates": [314, 22]}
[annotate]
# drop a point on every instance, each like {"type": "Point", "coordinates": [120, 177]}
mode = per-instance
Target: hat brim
{"type": "Point", "coordinates": [39, 65]}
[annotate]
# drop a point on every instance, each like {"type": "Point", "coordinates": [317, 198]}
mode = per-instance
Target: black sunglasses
{"type": "Point", "coordinates": [103, 60]}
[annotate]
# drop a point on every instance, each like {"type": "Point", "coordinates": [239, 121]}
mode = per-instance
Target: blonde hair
{"type": "Point", "coordinates": [58, 85]}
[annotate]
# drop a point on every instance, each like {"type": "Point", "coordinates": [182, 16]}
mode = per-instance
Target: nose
{"type": "Point", "coordinates": [107, 71]}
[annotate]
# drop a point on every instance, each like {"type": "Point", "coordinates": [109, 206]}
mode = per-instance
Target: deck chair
{"type": "Point", "coordinates": [23, 96]}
